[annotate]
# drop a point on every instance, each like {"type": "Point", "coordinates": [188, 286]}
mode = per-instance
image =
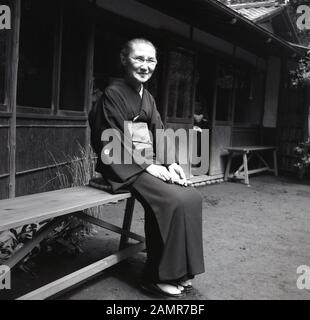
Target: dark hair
{"type": "Point", "coordinates": [127, 47]}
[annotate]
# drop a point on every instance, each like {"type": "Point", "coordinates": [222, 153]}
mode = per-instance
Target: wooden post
{"type": "Point", "coordinates": [232, 103]}
{"type": "Point", "coordinates": [246, 172]}
{"type": "Point", "coordinates": [164, 85]}
{"type": "Point", "coordinates": [89, 75]}
{"type": "Point", "coordinates": [275, 162]}
{"type": "Point", "coordinates": [227, 171]}
{"type": "Point", "coordinates": [309, 122]}
{"type": "Point", "coordinates": [12, 95]}
{"type": "Point", "coordinates": [57, 62]}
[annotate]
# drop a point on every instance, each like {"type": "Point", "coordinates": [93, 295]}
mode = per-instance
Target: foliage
{"type": "Point", "coordinates": [301, 75]}
{"type": "Point", "coordinates": [302, 151]}
{"type": "Point", "coordinates": [14, 239]}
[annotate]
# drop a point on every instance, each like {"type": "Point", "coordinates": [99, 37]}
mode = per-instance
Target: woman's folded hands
{"type": "Point", "coordinates": [174, 173]}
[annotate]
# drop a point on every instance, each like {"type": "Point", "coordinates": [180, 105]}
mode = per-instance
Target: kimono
{"type": "Point", "coordinates": [173, 213]}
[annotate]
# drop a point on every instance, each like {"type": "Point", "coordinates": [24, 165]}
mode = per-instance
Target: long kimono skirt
{"type": "Point", "coordinates": [173, 229]}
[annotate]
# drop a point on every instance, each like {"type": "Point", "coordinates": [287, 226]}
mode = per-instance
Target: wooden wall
{"type": "Point", "coordinates": [40, 144]}
{"type": "Point", "coordinates": [291, 125]}
{"type": "Point", "coordinates": [4, 156]}
{"type": "Point", "coordinates": [221, 137]}
{"type": "Point", "coordinates": [242, 136]}
{"type": "Point", "coordinates": [36, 141]}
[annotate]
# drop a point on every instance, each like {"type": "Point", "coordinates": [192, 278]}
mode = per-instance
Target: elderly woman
{"type": "Point", "coordinates": [173, 211]}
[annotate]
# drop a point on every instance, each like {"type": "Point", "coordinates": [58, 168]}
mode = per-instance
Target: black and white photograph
{"type": "Point", "coordinates": [154, 151]}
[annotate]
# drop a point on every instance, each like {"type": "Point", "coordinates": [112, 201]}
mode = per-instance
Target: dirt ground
{"type": "Point", "coordinates": [254, 240]}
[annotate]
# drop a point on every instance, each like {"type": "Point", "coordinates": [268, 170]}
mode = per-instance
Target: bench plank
{"type": "Point", "coordinates": [250, 148]}
{"type": "Point", "coordinates": [41, 206]}
{"type": "Point", "coordinates": [81, 275]}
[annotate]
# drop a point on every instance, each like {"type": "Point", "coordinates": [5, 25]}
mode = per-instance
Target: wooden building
{"type": "Point", "coordinates": [57, 52]}
{"type": "Point", "coordinates": [293, 123]}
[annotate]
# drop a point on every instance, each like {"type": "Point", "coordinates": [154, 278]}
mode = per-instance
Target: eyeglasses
{"type": "Point", "coordinates": [141, 60]}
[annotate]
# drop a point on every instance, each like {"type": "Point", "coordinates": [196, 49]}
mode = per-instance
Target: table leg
{"type": "Point", "coordinates": [227, 171]}
{"type": "Point", "coordinates": [239, 171]}
{"type": "Point", "coordinates": [246, 172]}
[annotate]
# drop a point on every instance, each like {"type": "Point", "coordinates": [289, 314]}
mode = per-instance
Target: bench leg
{"type": "Point", "coordinates": [227, 171]}
{"type": "Point", "coordinates": [246, 171]}
{"type": "Point", "coordinates": [130, 204]}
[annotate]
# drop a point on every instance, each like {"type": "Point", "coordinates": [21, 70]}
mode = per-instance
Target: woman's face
{"type": "Point", "coordinates": [140, 63]}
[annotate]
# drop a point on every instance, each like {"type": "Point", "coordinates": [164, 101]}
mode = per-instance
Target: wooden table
{"type": "Point", "coordinates": [248, 152]}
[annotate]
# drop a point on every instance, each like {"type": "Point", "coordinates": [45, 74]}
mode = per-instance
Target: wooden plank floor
{"type": "Point", "coordinates": [40, 206]}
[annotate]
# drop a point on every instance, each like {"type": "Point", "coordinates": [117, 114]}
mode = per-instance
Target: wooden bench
{"type": "Point", "coordinates": [56, 205]}
{"type": "Point", "coordinates": [243, 172]}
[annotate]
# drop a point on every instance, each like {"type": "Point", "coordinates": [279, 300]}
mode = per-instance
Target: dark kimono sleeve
{"type": "Point", "coordinates": [164, 155]}
{"type": "Point", "coordinates": [115, 113]}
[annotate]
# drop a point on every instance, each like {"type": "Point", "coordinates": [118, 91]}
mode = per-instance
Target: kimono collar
{"type": "Point", "coordinates": [141, 91]}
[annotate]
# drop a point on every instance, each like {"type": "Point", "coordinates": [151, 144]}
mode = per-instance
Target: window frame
{"type": "Point", "coordinates": [176, 43]}
{"type": "Point", "coordinates": [54, 108]}
{"type": "Point", "coordinates": [4, 107]}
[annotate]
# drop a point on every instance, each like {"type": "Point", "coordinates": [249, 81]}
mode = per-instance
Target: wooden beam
{"type": "Point", "coordinates": [246, 172]}
{"type": "Point", "coordinates": [90, 59]}
{"type": "Point", "coordinates": [308, 127]}
{"type": "Point", "coordinates": [57, 62]}
{"type": "Point", "coordinates": [50, 126]}
{"type": "Point", "coordinates": [242, 174]}
{"type": "Point", "coordinates": [81, 275]}
{"type": "Point", "coordinates": [275, 163]}
{"type": "Point", "coordinates": [89, 74]}
{"type": "Point", "coordinates": [108, 226]}
{"type": "Point", "coordinates": [232, 102]}
{"type": "Point", "coordinates": [228, 165]}
{"type": "Point", "coordinates": [51, 166]}
{"type": "Point", "coordinates": [13, 95]}
{"type": "Point", "coordinates": [29, 246]}
{"type": "Point", "coordinates": [164, 85]}
{"type": "Point", "coordinates": [262, 160]}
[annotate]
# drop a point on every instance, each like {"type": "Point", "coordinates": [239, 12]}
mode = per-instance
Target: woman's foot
{"type": "Point", "coordinates": [187, 285]}
{"type": "Point", "coordinates": [170, 288]}
{"type": "Point", "coordinates": [164, 289]}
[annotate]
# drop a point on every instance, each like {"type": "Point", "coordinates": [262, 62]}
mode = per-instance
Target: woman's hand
{"type": "Point", "coordinates": [159, 171]}
{"type": "Point", "coordinates": [178, 175]}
